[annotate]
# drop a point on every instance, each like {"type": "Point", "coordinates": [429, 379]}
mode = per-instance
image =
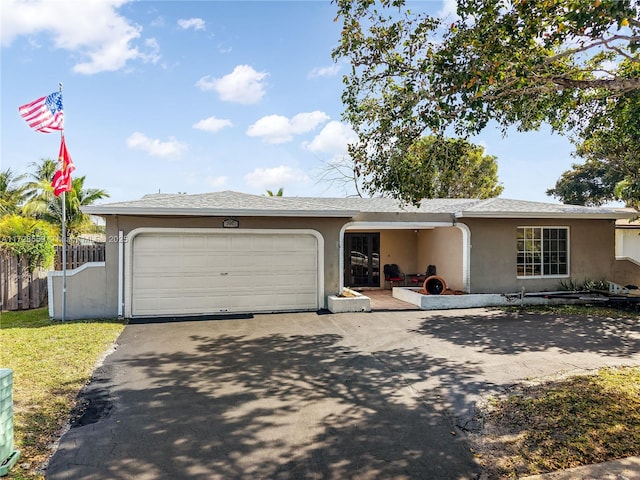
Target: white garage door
{"type": "Point", "coordinates": [201, 273]}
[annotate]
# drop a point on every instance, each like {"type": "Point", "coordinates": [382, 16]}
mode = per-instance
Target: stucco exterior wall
{"type": "Point", "coordinates": [399, 247]}
{"type": "Point", "coordinates": [87, 293]}
{"type": "Point", "coordinates": [494, 251]}
{"type": "Point", "coordinates": [442, 247]}
{"type": "Point", "coordinates": [492, 254]}
{"type": "Point", "coordinates": [329, 228]}
{"type": "Point", "coordinates": [626, 272]}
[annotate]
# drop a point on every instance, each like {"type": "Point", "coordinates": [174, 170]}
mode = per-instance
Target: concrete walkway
{"type": "Point", "coordinates": [383, 300]}
{"type": "Point", "coordinates": [358, 396]}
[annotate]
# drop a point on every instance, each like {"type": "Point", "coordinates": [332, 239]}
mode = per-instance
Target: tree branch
{"type": "Point", "coordinates": [613, 84]}
{"type": "Point", "coordinates": [599, 42]}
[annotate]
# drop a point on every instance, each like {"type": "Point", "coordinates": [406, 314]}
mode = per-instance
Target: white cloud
{"type": "Point", "coordinates": [333, 139]}
{"type": "Point", "coordinates": [224, 47]}
{"type": "Point", "coordinates": [307, 121]}
{"type": "Point", "coordinates": [264, 178]}
{"type": "Point", "coordinates": [449, 9]}
{"type": "Point", "coordinates": [155, 147]}
{"type": "Point", "coordinates": [329, 71]}
{"type": "Point", "coordinates": [279, 129]}
{"type": "Point", "coordinates": [153, 54]}
{"type": "Point", "coordinates": [212, 124]}
{"type": "Point", "coordinates": [195, 23]}
{"type": "Point", "coordinates": [216, 181]}
{"type": "Point", "coordinates": [92, 30]}
{"type": "Point", "coordinates": [243, 85]}
{"type": "Point", "coordinates": [157, 22]}
{"type": "Point", "coordinates": [272, 129]}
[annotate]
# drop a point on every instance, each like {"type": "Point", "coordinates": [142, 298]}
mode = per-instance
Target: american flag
{"type": "Point", "coordinates": [62, 178]}
{"type": "Point", "coordinates": [44, 114]}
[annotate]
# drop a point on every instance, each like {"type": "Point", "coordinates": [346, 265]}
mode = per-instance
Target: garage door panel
{"type": "Point", "coordinates": [199, 273]}
{"type": "Point", "coordinates": [194, 242]}
{"type": "Point", "coordinates": [179, 283]}
{"type": "Point", "coordinates": [218, 243]}
{"type": "Point", "coordinates": [272, 285]}
{"type": "Point", "coordinates": [176, 306]}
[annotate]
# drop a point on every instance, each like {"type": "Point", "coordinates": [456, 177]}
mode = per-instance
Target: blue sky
{"type": "Point", "coordinates": [200, 96]}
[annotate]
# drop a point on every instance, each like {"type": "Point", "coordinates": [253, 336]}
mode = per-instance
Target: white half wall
{"type": "Point", "coordinates": [86, 293]}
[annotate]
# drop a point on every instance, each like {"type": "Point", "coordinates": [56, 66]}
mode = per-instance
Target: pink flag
{"type": "Point", "coordinates": [62, 178]}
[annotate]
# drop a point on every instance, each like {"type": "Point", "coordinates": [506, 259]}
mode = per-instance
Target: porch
{"type": "Point", "coordinates": [383, 300]}
{"type": "Point", "coordinates": [417, 249]}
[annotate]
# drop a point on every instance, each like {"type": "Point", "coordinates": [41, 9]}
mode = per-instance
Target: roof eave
{"type": "Point", "coordinates": [547, 215]}
{"type": "Point", "coordinates": [213, 212]}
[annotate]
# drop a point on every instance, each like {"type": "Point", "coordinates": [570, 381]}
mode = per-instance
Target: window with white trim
{"type": "Point", "coordinates": [543, 251]}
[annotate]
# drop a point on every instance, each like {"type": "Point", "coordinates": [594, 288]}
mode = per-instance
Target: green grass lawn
{"type": "Point", "coordinates": [51, 362]}
{"type": "Point", "coordinates": [563, 424]}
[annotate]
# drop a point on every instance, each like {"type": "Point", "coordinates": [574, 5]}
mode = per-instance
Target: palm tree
{"type": "Point", "coordinates": [77, 221]}
{"type": "Point", "coordinates": [45, 205]}
{"type": "Point", "coordinates": [279, 193]}
{"type": "Point", "coordinates": [12, 195]}
{"type": "Point", "coordinates": [38, 190]}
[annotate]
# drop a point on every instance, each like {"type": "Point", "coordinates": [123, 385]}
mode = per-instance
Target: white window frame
{"type": "Point", "coordinates": [568, 252]}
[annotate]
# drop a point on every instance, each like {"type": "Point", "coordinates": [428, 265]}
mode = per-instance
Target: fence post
{"type": "Point", "coordinates": [12, 283]}
{"type": "Point", "coordinates": [3, 281]}
{"type": "Point", "coordinates": [34, 287]}
{"type": "Point", "coordinates": [25, 275]}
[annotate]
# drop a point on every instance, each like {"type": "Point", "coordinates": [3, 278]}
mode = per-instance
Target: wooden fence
{"type": "Point", "coordinates": [21, 289]}
{"type": "Point", "coordinates": [78, 255]}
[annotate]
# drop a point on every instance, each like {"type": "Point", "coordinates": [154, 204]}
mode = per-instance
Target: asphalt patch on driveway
{"type": "Point", "coordinates": [94, 402]}
{"type": "Point", "coordinates": [91, 409]}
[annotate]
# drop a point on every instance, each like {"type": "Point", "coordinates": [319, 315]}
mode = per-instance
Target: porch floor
{"type": "Point", "coordinates": [384, 300]}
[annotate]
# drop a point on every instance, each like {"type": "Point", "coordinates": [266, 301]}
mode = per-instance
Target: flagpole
{"type": "Point", "coordinates": [64, 240]}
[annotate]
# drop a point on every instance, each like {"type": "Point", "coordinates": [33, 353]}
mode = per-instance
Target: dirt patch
{"type": "Point", "coordinates": [448, 291]}
{"type": "Point", "coordinates": [496, 447]}
{"type": "Point", "coordinates": [557, 423]}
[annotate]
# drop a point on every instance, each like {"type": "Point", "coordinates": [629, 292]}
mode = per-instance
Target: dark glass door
{"type": "Point", "coordinates": [362, 259]}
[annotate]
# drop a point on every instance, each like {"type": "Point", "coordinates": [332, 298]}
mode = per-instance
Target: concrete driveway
{"type": "Point", "coordinates": [350, 396]}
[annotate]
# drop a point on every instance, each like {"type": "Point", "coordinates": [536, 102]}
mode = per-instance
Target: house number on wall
{"type": "Point", "coordinates": [230, 223]}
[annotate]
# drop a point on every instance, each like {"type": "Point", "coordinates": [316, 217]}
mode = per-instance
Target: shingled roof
{"type": "Point", "coordinates": [230, 203]}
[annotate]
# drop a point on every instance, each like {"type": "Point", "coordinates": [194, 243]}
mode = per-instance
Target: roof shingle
{"type": "Point", "coordinates": [236, 203]}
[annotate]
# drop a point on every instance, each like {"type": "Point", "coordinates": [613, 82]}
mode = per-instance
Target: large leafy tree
{"type": "Point", "coordinates": [610, 146]}
{"type": "Point", "coordinates": [590, 183]}
{"type": "Point", "coordinates": [439, 167]}
{"type": "Point", "coordinates": [520, 63]}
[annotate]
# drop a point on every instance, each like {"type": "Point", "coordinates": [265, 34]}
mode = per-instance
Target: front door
{"type": "Point", "coordinates": [362, 259]}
